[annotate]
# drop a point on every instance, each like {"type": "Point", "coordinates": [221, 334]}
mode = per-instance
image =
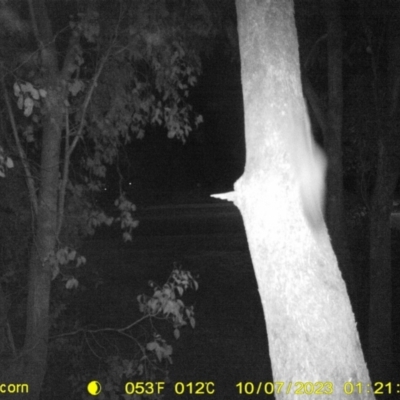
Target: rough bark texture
{"type": "Point", "coordinates": [311, 328]}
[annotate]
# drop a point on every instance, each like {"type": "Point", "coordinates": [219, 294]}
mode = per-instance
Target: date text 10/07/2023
{"type": "Point", "coordinates": [266, 388]}
{"type": "Point", "coordinates": [327, 388]}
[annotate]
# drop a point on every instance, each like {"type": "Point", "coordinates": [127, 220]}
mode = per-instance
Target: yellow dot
{"type": "Point", "coordinates": [94, 388]}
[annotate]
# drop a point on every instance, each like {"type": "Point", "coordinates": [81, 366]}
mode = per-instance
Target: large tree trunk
{"type": "Point", "coordinates": [311, 328]}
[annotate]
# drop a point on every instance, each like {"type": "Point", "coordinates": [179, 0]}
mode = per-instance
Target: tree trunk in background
{"type": "Point", "coordinates": [311, 328]}
{"type": "Point", "coordinates": [333, 144]}
{"type": "Point", "coordinates": [333, 134]}
{"type": "Point", "coordinates": [380, 344]}
{"type": "Point", "coordinates": [380, 312]}
{"type": "Point", "coordinates": [330, 117]}
{"type": "Point", "coordinates": [31, 367]}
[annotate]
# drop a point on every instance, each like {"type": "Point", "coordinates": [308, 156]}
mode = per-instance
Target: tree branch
{"type": "Point", "coordinates": [86, 102]}
{"type": "Point", "coordinates": [64, 180]}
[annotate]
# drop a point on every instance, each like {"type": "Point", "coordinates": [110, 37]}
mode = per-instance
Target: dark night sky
{"type": "Point", "coordinates": [212, 158]}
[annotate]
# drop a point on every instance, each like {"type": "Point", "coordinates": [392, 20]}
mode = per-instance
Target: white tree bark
{"type": "Point", "coordinates": [311, 327]}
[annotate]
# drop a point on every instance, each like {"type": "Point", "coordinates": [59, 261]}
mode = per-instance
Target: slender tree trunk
{"type": "Point", "coordinates": [330, 120]}
{"type": "Point", "coordinates": [311, 328]}
{"type": "Point", "coordinates": [380, 344]}
{"type": "Point", "coordinates": [333, 136]}
{"type": "Point", "coordinates": [380, 313]}
{"type": "Point", "coordinates": [37, 329]}
{"type": "Point", "coordinates": [333, 143]}
{"type": "Point", "coordinates": [3, 324]}
{"type": "Point", "coordinates": [31, 367]}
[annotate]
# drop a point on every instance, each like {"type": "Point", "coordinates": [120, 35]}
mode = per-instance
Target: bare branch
{"type": "Point", "coordinates": [64, 181]}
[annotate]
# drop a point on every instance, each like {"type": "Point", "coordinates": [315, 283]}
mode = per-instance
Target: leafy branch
{"type": "Point", "coordinates": [164, 304]}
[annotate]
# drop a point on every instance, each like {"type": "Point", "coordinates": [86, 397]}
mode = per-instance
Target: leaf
{"type": "Point", "coordinates": [151, 346]}
{"type": "Point", "coordinates": [127, 237]}
{"type": "Point", "coordinates": [27, 87]}
{"type": "Point", "coordinates": [9, 163]}
{"type": "Point", "coordinates": [80, 261]}
{"type": "Point", "coordinates": [76, 87]}
{"type": "Point", "coordinates": [55, 271]}
{"type": "Point", "coordinates": [154, 346]}
{"type": "Point", "coordinates": [140, 134]}
{"type": "Point", "coordinates": [109, 221]}
{"type": "Point", "coordinates": [199, 119]}
{"type": "Point", "coordinates": [154, 305]}
{"type": "Point", "coordinates": [72, 283]}
{"type": "Point", "coordinates": [177, 333]}
{"type": "Point", "coordinates": [159, 353]}
{"type": "Point", "coordinates": [167, 350]}
{"type": "Point", "coordinates": [180, 290]}
{"type": "Point", "coordinates": [35, 94]}
{"type": "Point", "coordinates": [71, 255]}
{"type": "Point", "coordinates": [170, 308]}
{"type": "Point", "coordinates": [17, 89]}
{"type": "Point", "coordinates": [192, 322]}
{"type": "Point", "coordinates": [20, 102]}
{"type": "Point", "coordinates": [62, 256]}
{"type": "Point", "coordinates": [28, 106]}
